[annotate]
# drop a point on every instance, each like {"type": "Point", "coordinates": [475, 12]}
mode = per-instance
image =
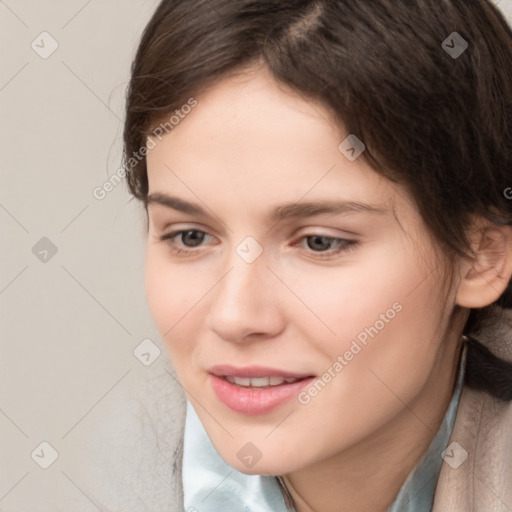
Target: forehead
{"type": "Point", "coordinates": [248, 113]}
{"type": "Point", "coordinates": [253, 141]}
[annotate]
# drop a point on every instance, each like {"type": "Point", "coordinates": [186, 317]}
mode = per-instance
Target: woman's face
{"type": "Point", "coordinates": [349, 296]}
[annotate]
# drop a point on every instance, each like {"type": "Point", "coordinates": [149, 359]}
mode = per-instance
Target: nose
{"type": "Point", "coordinates": [245, 305]}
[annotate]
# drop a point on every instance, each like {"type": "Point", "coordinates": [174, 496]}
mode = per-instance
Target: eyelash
{"type": "Point", "coordinates": [349, 245]}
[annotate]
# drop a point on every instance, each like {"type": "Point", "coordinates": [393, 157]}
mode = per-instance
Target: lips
{"type": "Point", "coordinates": [260, 382]}
{"type": "Point", "coordinates": [255, 372]}
{"type": "Point", "coordinates": [251, 395]}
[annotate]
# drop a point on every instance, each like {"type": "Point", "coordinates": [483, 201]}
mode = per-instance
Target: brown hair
{"type": "Point", "coordinates": [440, 124]}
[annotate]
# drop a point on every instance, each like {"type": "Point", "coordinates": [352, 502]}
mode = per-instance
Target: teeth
{"type": "Point", "coordinates": [259, 382]}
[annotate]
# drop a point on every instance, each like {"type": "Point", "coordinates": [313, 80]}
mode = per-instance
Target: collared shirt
{"type": "Point", "coordinates": [211, 485]}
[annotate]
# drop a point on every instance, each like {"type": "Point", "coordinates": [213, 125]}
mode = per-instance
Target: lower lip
{"type": "Point", "coordinates": [252, 400]}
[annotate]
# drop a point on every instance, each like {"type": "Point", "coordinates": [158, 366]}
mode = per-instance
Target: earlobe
{"type": "Point", "coordinates": [486, 277]}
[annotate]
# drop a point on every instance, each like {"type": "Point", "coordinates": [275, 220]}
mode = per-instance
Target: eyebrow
{"type": "Point", "coordinates": [289, 210]}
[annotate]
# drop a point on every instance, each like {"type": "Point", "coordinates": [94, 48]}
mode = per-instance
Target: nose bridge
{"type": "Point", "coordinates": [243, 301]}
{"type": "Point", "coordinates": [242, 285]}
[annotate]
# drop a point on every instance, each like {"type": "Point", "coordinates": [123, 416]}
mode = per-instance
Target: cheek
{"type": "Point", "coordinates": [375, 379]}
{"type": "Point", "coordinates": [369, 289]}
{"type": "Point", "coordinates": [383, 319]}
{"type": "Point", "coordinates": [160, 293]}
{"type": "Point", "coordinates": [172, 299]}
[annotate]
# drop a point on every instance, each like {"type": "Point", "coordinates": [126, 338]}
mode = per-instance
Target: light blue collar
{"type": "Point", "coordinates": [417, 492]}
{"type": "Point", "coordinates": [210, 484]}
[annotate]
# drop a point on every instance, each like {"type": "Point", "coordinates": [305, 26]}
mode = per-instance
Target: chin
{"type": "Point", "coordinates": [264, 468]}
{"type": "Point", "coordinates": [263, 471]}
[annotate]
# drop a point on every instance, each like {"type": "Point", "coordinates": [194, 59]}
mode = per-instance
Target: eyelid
{"type": "Point", "coordinates": [346, 245]}
{"type": "Point", "coordinates": [163, 223]}
{"type": "Point", "coordinates": [299, 233]}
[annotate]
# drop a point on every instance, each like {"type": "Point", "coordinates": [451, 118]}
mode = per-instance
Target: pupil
{"type": "Point", "coordinates": [197, 238]}
{"type": "Point", "coordinates": [320, 237]}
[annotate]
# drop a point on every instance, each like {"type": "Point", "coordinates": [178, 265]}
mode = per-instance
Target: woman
{"type": "Point", "coordinates": [329, 248]}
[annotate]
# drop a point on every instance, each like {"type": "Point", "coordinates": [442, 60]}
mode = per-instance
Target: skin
{"type": "Point", "coordinates": [246, 148]}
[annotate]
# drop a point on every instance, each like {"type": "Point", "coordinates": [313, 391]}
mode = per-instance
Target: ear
{"type": "Point", "coordinates": [485, 278]}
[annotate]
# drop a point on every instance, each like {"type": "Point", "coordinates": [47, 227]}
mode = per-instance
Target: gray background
{"type": "Point", "coordinates": [71, 319]}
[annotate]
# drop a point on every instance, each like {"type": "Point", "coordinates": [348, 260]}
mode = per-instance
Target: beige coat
{"type": "Point", "coordinates": [483, 428]}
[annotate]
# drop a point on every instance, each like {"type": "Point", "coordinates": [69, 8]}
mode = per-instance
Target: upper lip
{"type": "Point", "coordinates": [224, 370]}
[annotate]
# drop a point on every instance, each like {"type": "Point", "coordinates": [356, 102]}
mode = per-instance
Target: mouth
{"type": "Point", "coordinates": [261, 382]}
{"type": "Point", "coordinates": [255, 372]}
{"type": "Point", "coordinates": [257, 395]}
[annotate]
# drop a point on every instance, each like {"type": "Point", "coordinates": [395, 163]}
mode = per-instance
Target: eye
{"type": "Point", "coordinates": [316, 241]}
{"type": "Point", "coordinates": [185, 234]}
{"type": "Point", "coordinates": [192, 238]}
